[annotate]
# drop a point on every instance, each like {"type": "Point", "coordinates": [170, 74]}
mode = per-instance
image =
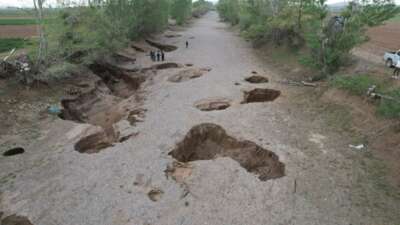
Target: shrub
{"type": "Point", "coordinates": [355, 84]}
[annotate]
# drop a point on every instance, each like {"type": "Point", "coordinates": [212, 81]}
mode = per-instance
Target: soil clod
{"type": "Point", "coordinates": [209, 141]}
{"type": "Point", "coordinates": [260, 95]}
{"type": "Point", "coordinates": [15, 220]}
{"type": "Point", "coordinates": [255, 79]}
{"type": "Point", "coordinates": [14, 151]}
{"type": "Point", "coordinates": [212, 104]}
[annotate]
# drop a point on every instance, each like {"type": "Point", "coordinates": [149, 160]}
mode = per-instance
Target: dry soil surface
{"type": "Point", "coordinates": [256, 162]}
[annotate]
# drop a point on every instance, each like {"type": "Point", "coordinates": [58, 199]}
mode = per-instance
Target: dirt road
{"type": "Point", "coordinates": [246, 162]}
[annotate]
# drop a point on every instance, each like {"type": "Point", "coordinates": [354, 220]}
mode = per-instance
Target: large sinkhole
{"type": "Point", "coordinates": [260, 95]}
{"type": "Point", "coordinates": [210, 141]}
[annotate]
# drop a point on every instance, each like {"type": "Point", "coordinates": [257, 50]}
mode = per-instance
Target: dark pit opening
{"type": "Point", "coordinates": [169, 65]}
{"type": "Point", "coordinates": [209, 141]}
{"type": "Point", "coordinates": [15, 220]}
{"type": "Point", "coordinates": [256, 79]}
{"type": "Point", "coordinates": [163, 47]}
{"type": "Point", "coordinates": [260, 95]}
{"type": "Point", "coordinates": [14, 151]}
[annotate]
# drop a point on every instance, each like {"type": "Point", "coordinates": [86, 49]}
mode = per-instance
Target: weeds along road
{"type": "Point", "coordinates": [246, 154]}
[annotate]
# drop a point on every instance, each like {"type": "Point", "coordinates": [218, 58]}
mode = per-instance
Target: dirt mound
{"type": "Point", "coordinates": [256, 79]}
{"type": "Point", "coordinates": [185, 75]}
{"type": "Point", "coordinates": [163, 47]}
{"type": "Point", "coordinates": [211, 104]}
{"type": "Point", "coordinates": [14, 151]}
{"type": "Point", "coordinates": [208, 141]}
{"type": "Point", "coordinates": [260, 95]}
{"type": "Point", "coordinates": [96, 142]}
{"type": "Point", "coordinates": [15, 220]}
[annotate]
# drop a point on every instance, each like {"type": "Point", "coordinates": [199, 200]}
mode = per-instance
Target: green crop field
{"type": "Point", "coordinates": [17, 21]}
{"type": "Point", "coordinates": [7, 44]}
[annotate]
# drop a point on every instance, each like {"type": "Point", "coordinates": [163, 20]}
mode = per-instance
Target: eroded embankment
{"type": "Point", "coordinates": [108, 96]}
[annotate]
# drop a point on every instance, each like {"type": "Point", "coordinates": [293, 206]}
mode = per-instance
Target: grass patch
{"type": "Point", "coordinates": [390, 108]}
{"type": "Point", "coordinates": [17, 21]}
{"type": "Point", "coordinates": [7, 44]}
{"type": "Point", "coordinates": [356, 84]}
{"type": "Point", "coordinates": [359, 84]}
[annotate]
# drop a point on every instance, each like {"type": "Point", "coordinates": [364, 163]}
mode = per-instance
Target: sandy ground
{"type": "Point", "coordinates": [325, 181]}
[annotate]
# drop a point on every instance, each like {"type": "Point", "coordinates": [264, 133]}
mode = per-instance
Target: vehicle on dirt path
{"type": "Point", "coordinates": [391, 58]}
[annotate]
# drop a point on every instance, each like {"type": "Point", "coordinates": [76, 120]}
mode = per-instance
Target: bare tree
{"type": "Point", "coordinates": [42, 51]}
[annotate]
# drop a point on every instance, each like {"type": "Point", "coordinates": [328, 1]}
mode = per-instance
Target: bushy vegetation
{"type": "Point", "coordinates": [181, 10]}
{"type": "Point", "coordinates": [201, 7]}
{"type": "Point", "coordinates": [85, 33]}
{"type": "Point", "coordinates": [308, 23]}
{"type": "Point", "coordinates": [396, 18]}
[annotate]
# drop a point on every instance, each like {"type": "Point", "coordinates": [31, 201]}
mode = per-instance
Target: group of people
{"type": "Point", "coordinates": [157, 56]}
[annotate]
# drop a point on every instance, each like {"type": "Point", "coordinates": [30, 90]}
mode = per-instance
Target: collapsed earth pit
{"type": "Point", "coordinates": [256, 79]}
{"type": "Point", "coordinates": [163, 47]}
{"type": "Point", "coordinates": [14, 151]}
{"type": "Point", "coordinates": [212, 104]}
{"type": "Point", "coordinates": [186, 74]}
{"type": "Point", "coordinates": [210, 141]}
{"type": "Point", "coordinates": [168, 65]}
{"type": "Point", "coordinates": [120, 83]}
{"type": "Point", "coordinates": [15, 220]}
{"type": "Point", "coordinates": [260, 95]}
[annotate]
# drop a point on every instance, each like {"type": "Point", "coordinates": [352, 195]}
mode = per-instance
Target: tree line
{"type": "Point", "coordinates": [98, 27]}
{"type": "Point", "coordinates": [308, 24]}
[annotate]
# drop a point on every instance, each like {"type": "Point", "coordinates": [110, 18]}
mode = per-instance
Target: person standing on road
{"type": "Point", "coordinates": [158, 56]}
{"type": "Point", "coordinates": [187, 44]}
{"type": "Point", "coordinates": [396, 71]}
{"type": "Point", "coordinates": [162, 56]}
{"type": "Point", "coordinates": [152, 56]}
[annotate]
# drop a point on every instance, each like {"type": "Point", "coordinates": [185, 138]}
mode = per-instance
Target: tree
{"type": "Point", "coordinates": [42, 50]}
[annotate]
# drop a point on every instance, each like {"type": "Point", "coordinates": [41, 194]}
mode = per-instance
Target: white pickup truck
{"type": "Point", "coordinates": [391, 58]}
